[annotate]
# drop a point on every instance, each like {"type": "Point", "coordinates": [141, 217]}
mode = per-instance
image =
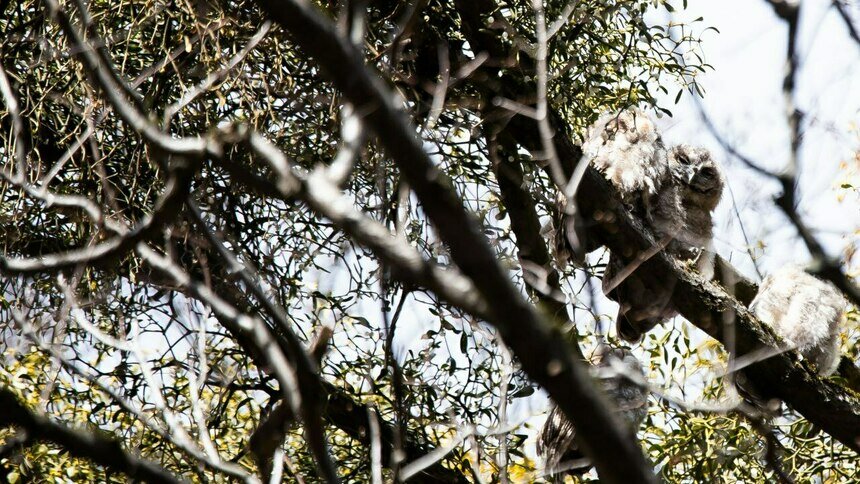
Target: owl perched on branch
{"type": "Point", "coordinates": [556, 442]}
{"type": "Point", "coordinates": [804, 311]}
{"type": "Point", "coordinates": [680, 216]}
{"type": "Point", "coordinates": [628, 150]}
{"type": "Point", "coordinates": [698, 181]}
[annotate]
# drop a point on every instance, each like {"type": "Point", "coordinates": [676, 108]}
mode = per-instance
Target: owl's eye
{"type": "Point", "coordinates": [682, 158]}
{"type": "Point", "coordinates": [708, 173]}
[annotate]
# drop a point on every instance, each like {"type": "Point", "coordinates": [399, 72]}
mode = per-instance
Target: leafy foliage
{"type": "Point", "coordinates": [174, 369]}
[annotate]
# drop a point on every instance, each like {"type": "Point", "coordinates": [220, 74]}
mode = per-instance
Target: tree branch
{"type": "Point", "coordinates": [79, 443]}
{"type": "Point", "coordinates": [543, 355]}
{"type": "Point", "coordinates": [824, 403]}
{"type": "Point", "coordinates": [297, 388]}
{"type": "Point", "coordinates": [340, 409]}
{"type": "Point", "coordinates": [849, 23]}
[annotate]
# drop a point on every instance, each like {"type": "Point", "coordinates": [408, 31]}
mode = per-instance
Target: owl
{"type": "Point", "coordinates": [699, 182]}
{"type": "Point", "coordinates": [644, 298]}
{"type": "Point", "coordinates": [680, 216]}
{"type": "Point", "coordinates": [804, 311]}
{"type": "Point", "coordinates": [556, 444]}
{"type": "Point", "coordinates": [628, 150]}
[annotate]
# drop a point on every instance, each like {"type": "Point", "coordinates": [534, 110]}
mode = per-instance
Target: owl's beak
{"type": "Point", "coordinates": [691, 174]}
{"type": "Point", "coordinates": [704, 178]}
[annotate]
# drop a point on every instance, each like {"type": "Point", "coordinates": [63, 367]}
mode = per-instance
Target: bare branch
{"type": "Point", "coordinates": [273, 430]}
{"type": "Point", "coordinates": [320, 192]}
{"type": "Point", "coordinates": [293, 392]}
{"type": "Point", "coordinates": [518, 323]}
{"type": "Point", "coordinates": [105, 76]}
{"type": "Point", "coordinates": [217, 76]}
{"type": "Point", "coordinates": [166, 208]}
{"type": "Point", "coordinates": [186, 445]}
{"type": "Point", "coordinates": [14, 109]}
{"type": "Point", "coordinates": [102, 451]}
{"type": "Point", "coordinates": [823, 264]}
{"type": "Point", "coordinates": [849, 23]}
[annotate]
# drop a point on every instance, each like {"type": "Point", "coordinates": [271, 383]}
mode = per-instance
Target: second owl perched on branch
{"type": "Point", "coordinates": [697, 185]}
{"type": "Point", "coordinates": [621, 377]}
{"type": "Point", "coordinates": [681, 219]}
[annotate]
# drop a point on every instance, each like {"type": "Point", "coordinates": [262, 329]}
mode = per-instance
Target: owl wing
{"type": "Point", "coordinates": [643, 301]}
{"type": "Point", "coordinates": [556, 441]}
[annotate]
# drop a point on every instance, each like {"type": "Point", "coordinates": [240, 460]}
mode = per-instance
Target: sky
{"type": "Point", "coordinates": [744, 99]}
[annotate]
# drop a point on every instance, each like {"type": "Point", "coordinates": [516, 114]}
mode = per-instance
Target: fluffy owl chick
{"type": "Point", "coordinates": [628, 150]}
{"type": "Point", "coordinates": [699, 182]}
{"type": "Point", "coordinates": [804, 311]}
{"type": "Point", "coordinates": [644, 298]}
{"type": "Point", "coordinates": [556, 444]}
{"type": "Point", "coordinates": [680, 216]}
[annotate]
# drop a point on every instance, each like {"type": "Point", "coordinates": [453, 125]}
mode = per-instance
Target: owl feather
{"type": "Point", "coordinates": [804, 311]}
{"type": "Point", "coordinates": [557, 440]}
{"type": "Point", "coordinates": [627, 149]}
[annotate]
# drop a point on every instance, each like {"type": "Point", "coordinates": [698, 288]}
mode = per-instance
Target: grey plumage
{"type": "Point", "coordinates": [701, 183]}
{"type": "Point", "coordinates": [680, 216]}
{"type": "Point", "coordinates": [673, 191]}
{"type": "Point", "coordinates": [804, 311]}
{"type": "Point", "coordinates": [644, 298]}
{"type": "Point", "coordinates": [556, 442]}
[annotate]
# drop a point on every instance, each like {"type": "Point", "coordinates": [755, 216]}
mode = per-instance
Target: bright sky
{"type": "Point", "coordinates": [744, 98]}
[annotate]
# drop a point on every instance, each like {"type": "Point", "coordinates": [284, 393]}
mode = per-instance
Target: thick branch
{"type": "Point", "coordinates": [543, 355]}
{"type": "Point", "coordinates": [532, 248]}
{"type": "Point", "coordinates": [79, 443]}
{"type": "Point", "coordinates": [340, 410]}
{"type": "Point", "coordinates": [825, 403]}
